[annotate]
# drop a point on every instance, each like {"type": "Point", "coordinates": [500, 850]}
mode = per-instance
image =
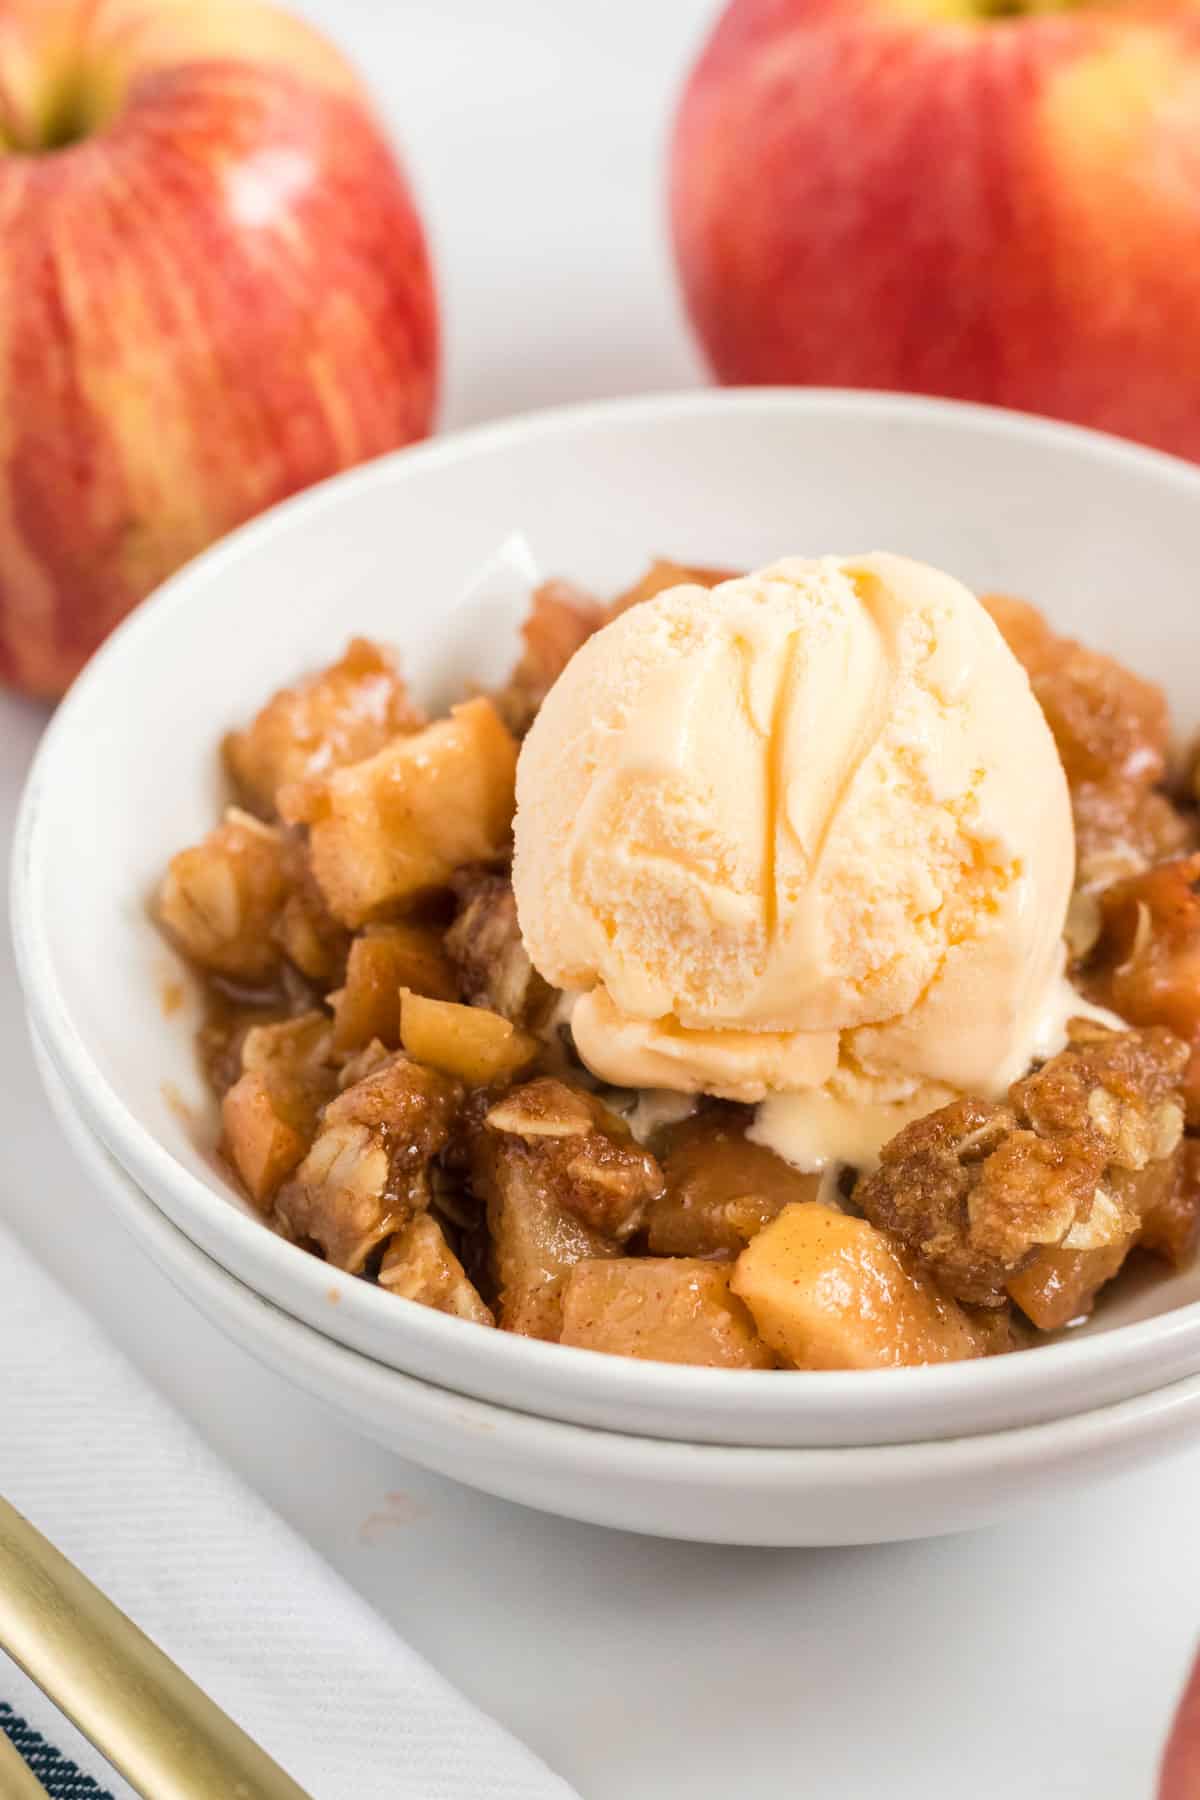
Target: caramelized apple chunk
{"type": "Point", "coordinates": [1146, 963]}
{"type": "Point", "coordinates": [1060, 1286]}
{"type": "Point", "coordinates": [393, 827]}
{"type": "Point", "coordinates": [827, 1291]}
{"type": "Point", "coordinates": [269, 1115]}
{"type": "Point", "coordinates": [1112, 731]}
{"type": "Point", "coordinates": [534, 1242]}
{"type": "Point", "coordinates": [414, 1105]}
{"type": "Point", "coordinates": [1122, 829]}
{"type": "Point", "coordinates": [476, 1046]}
{"type": "Point", "coordinates": [367, 1172]}
{"type": "Point", "coordinates": [306, 931]}
{"type": "Point", "coordinates": [1171, 1216]}
{"type": "Point", "coordinates": [262, 1146]}
{"type": "Point", "coordinates": [220, 900]}
{"type": "Point", "coordinates": [563, 1182]}
{"type": "Point", "coordinates": [1109, 724]}
{"type": "Point", "coordinates": [339, 1198]}
{"type": "Point", "coordinates": [383, 960]}
{"type": "Point", "coordinates": [661, 575]}
{"type": "Point", "coordinates": [361, 1063]}
{"type": "Point", "coordinates": [600, 1175]}
{"type": "Point", "coordinates": [337, 716]}
{"type": "Point", "coordinates": [661, 1309]}
{"type": "Point", "coordinates": [487, 951]}
{"type": "Point", "coordinates": [418, 1264]}
{"type": "Point", "coordinates": [296, 1058]}
{"type": "Point", "coordinates": [720, 1188]}
{"type": "Point", "coordinates": [243, 901]}
{"type": "Point", "coordinates": [561, 618]}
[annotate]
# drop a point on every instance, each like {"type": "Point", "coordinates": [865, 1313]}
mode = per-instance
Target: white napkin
{"type": "Point", "coordinates": [100, 1463]}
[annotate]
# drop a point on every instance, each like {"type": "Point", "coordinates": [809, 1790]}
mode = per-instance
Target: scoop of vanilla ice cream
{"type": "Point", "coordinates": [808, 827]}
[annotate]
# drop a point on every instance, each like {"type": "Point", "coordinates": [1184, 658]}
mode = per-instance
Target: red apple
{"type": "Point", "coordinates": [214, 290]}
{"type": "Point", "coordinates": [1179, 1776]}
{"type": "Point", "coordinates": [1000, 202]}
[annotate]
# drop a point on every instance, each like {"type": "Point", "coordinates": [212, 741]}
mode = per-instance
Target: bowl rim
{"type": "Point", "coordinates": [155, 1168]}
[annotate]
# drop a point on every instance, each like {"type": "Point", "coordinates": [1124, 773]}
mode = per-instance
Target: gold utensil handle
{"type": "Point", "coordinates": [17, 1779]}
{"type": "Point", "coordinates": [153, 1724]}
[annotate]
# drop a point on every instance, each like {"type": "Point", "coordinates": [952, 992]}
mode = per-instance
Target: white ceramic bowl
{"type": "Point", "coordinates": [1105, 536]}
{"type": "Point", "coordinates": [704, 1492]}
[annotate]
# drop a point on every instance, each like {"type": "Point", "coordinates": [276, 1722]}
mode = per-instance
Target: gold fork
{"type": "Point", "coordinates": [153, 1724]}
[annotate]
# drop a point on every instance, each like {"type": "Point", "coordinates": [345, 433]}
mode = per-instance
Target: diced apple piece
{"type": "Point", "coordinates": [368, 1171]}
{"type": "Point", "coordinates": [419, 1265]}
{"type": "Point", "coordinates": [477, 1046]}
{"type": "Point", "coordinates": [585, 1155]}
{"type": "Point", "coordinates": [301, 933]}
{"type": "Point", "coordinates": [303, 1042]}
{"type": "Point", "coordinates": [270, 1113]}
{"type": "Point", "coordinates": [662, 575]}
{"type": "Point", "coordinates": [219, 900]}
{"type": "Point", "coordinates": [341, 1197]}
{"type": "Point", "coordinates": [306, 931]}
{"type": "Point", "coordinates": [563, 1179]}
{"type": "Point", "coordinates": [535, 1240]}
{"type": "Point", "coordinates": [383, 960]}
{"type": "Point", "coordinates": [417, 1107]}
{"type": "Point", "coordinates": [489, 956]}
{"type": "Point", "coordinates": [1062, 1285]}
{"type": "Point", "coordinates": [398, 824]}
{"type": "Point", "coordinates": [561, 618]}
{"type": "Point", "coordinates": [1108, 723]}
{"type": "Point", "coordinates": [262, 1146]}
{"type": "Point", "coordinates": [720, 1189]}
{"type": "Point", "coordinates": [827, 1291]}
{"type": "Point", "coordinates": [337, 716]}
{"type": "Point", "coordinates": [295, 1058]}
{"type": "Point", "coordinates": [367, 1061]}
{"type": "Point", "coordinates": [535, 1244]}
{"type": "Point", "coordinates": [1146, 964]}
{"type": "Point", "coordinates": [1171, 1218]}
{"type": "Point", "coordinates": [1135, 1206]}
{"type": "Point", "coordinates": [661, 1309]}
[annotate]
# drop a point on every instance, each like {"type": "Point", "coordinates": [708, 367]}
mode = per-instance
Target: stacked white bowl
{"type": "Point", "coordinates": [1103, 536]}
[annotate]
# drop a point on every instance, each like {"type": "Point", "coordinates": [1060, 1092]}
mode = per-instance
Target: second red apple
{"type": "Point", "coordinates": [996, 203]}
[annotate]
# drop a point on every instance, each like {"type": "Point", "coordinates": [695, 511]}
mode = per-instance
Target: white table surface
{"type": "Point", "coordinates": [1041, 1657]}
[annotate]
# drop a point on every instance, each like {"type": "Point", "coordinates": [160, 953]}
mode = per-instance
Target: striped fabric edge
{"type": "Point", "coordinates": [61, 1778]}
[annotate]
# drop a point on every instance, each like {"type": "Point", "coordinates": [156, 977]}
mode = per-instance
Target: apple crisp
{"type": "Point", "coordinates": [400, 1093]}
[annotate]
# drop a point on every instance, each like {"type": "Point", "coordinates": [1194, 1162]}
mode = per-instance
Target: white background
{"type": "Point", "coordinates": [1040, 1658]}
